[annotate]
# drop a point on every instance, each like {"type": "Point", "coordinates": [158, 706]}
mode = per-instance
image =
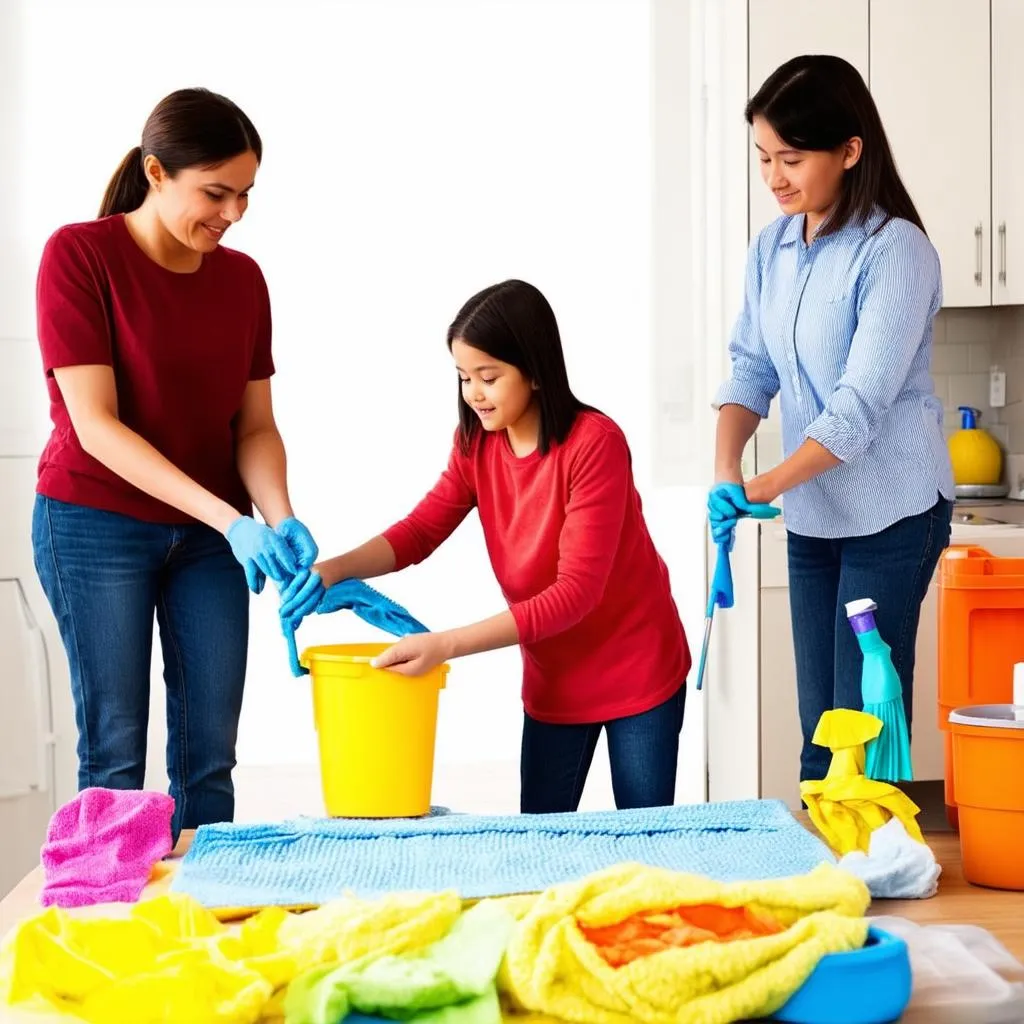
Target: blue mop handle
{"type": "Point", "coordinates": [720, 595]}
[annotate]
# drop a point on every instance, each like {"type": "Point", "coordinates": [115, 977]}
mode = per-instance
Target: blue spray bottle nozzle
{"type": "Point", "coordinates": [968, 417]}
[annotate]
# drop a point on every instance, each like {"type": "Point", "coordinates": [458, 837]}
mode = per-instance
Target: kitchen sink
{"type": "Point", "coordinates": [991, 513]}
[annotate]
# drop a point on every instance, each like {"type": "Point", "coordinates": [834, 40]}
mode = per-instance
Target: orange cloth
{"type": "Point", "coordinates": [647, 933]}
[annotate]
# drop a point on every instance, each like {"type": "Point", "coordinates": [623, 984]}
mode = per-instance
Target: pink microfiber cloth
{"type": "Point", "coordinates": [101, 847]}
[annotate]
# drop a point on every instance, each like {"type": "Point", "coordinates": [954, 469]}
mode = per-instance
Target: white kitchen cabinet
{"type": "Point", "coordinates": [1007, 152]}
{"type": "Point", "coordinates": [782, 29]}
{"type": "Point", "coordinates": [931, 78]}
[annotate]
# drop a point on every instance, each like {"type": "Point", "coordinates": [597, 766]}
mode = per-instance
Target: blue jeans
{"type": "Point", "coordinates": [105, 576]}
{"type": "Point", "coordinates": [894, 568]}
{"type": "Point", "coordinates": [643, 750]}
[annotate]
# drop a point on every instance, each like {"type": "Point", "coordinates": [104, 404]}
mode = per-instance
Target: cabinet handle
{"type": "Point", "coordinates": [977, 250]}
{"type": "Point", "coordinates": [1002, 253]}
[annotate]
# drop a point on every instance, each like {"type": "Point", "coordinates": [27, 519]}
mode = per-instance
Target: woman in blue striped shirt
{"type": "Point", "coordinates": [841, 294]}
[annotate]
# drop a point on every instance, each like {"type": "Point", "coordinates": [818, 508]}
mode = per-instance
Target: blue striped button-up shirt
{"type": "Point", "coordinates": [841, 330]}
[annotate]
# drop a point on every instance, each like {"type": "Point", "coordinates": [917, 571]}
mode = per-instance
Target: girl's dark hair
{"type": "Point", "coordinates": [819, 102]}
{"type": "Point", "coordinates": [188, 128]}
{"type": "Point", "coordinates": [513, 323]}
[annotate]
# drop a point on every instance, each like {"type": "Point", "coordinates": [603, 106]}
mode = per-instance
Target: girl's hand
{"type": "Point", "coordinates": [416, 654]}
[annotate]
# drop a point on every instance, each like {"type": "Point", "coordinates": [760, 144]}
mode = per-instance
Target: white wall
{"type": "Point", "coordinates": [415, 152]}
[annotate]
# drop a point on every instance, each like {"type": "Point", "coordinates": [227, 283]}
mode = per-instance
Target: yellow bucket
{"type": "Point", "coordinates": [376, 732]}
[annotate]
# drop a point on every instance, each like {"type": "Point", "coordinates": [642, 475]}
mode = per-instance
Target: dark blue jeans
{"type": "Point", "coordinates": [105, 576]}
{"type": "Point", "coordinates": [643, 750]}
{"type": "Point", "coordinates": [894, 568]}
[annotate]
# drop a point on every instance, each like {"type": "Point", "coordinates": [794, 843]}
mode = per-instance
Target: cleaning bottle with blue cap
{"type": "Point", "coordinates": [976, 456]}
{"type": "Point", "coordinates": [887, 756]}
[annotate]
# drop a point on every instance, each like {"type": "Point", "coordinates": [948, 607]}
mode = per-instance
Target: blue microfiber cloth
{"type": "Point", "coordinates": [308, 862]}
{"type": "Point", "coordinates": [369, 604]}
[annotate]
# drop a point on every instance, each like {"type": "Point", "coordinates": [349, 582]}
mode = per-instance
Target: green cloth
{"type": "Point", "coordinates": [448, 982]}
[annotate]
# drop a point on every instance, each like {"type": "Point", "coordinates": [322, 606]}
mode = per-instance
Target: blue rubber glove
{"type": "Point", "coordinates": [306, 594]}
{"type": "Point", "coordinates": [300, 540]}
{"type": "Point", "coordinates": [261, 552]}
{"type": "Point", "coordinates": [720, 594]}
{"type": "Point", "coordinates": [727, 501]}
{"type": "Point", "coordinates": [727, 504]}
{"type": "Point", "coordinates": [301, 597]}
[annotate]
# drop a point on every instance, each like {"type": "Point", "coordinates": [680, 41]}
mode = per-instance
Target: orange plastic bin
{"type": "Point", "coordinates": [988, 769]}
{"type": "Point", "coordinates": [981, 638]}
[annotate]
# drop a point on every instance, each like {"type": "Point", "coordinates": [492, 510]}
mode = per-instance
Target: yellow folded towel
{"type": "Point", "coordinates": [550, 967]}
{"type": "Point", "coordinates": [170, 959]}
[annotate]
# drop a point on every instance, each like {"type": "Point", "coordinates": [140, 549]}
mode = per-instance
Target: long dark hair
{"type": "Point", "coordinates": [513, 323]}
{"type": "Point", "coordinates": [188, 128]}
{"type": "Point", "coordinates": [819, 102]}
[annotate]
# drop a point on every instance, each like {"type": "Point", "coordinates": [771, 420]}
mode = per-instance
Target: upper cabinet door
{"type": "Point", "coordinates": [782, 29]}
{"type": "Point", "coordinates": [1007, 152]}
{"type": "Point", "coordinates": [930, 75]}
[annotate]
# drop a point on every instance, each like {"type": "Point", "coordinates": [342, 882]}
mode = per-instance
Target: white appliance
{"type": "Point", "coordinates": [37, 735]}
{"type": "Point", "coordinates": [38, 760]}
{"type": "Point", "coordinates": [753, 726]}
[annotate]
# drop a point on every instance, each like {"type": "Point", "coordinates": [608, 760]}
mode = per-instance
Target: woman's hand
{"type": "Point", "coordinates": [762, 490]}
{"type": "Point", "coordinates": [417, 654]}
{"type": "Point", "coordinates": [302, 596]}
{"type": "Point", "coordinates": [300, 540]}
{"type": "Point", "coordinates": [260, 552]}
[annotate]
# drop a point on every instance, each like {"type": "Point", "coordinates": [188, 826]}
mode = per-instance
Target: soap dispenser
{"type": "Point", "coordinates": [976, 456]}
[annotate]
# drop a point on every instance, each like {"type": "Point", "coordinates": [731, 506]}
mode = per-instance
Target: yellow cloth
{"type": "Point", "coordinates": [845, 732]}
{"type": "Point", "coordinates": [845, 806]}
{"type": "Point", "coordinates": [169, 959]}
{"type": "Point", "coordinates": [551, 969]}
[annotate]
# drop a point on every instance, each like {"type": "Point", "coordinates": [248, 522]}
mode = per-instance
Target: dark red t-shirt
{"type": "Point", "coordinates": [599, 631]}
{"type": "Point", "coordinates": [183, 348]}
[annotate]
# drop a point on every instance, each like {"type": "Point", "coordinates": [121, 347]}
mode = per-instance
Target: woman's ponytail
{"type": "Point", "coordinates": [188, 128]}
{"type": "Point", "coordinates": [128, 186]}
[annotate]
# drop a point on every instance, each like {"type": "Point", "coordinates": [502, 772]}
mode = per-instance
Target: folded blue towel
{"type": "Point", "coordinates": [310, 861]}
{"type": "Point", "coordinates": [369, 604]}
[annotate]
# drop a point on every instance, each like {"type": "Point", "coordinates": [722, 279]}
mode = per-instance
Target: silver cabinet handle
{"type": "Point", "coordinates": [1002, 253]}
{"type": "Point", "coordinates": [978, 264]}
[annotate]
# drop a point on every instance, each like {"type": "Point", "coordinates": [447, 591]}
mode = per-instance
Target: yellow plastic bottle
{"type": "Point", "coordinates": [975, 453]}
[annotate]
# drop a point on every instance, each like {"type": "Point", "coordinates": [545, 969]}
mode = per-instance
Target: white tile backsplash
{"type": "Point", "coordinates": [951, 359]}
{"type": "Point", "coordinates": [980, 356]}
{"type": "Point", "coordinates": [966, 389]}
{"type": "Point", "coordinates": [967, 344]}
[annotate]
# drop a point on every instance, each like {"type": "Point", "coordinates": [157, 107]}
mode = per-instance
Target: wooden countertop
{"type": "Point", "coordinates": [957, 902]}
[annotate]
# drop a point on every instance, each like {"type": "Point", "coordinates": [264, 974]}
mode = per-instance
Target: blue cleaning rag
{"type": "Point", "coordinates": [308, 862]}
{"type": "Point", "coordinates": [369, 604]}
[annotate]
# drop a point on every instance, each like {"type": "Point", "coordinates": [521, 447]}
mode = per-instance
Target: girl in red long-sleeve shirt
{"type": "Point", "coordinates": [589, 599]}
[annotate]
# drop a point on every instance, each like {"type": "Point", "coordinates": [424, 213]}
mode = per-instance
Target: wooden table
{"type": "Point", "coordinates": [957, 902]}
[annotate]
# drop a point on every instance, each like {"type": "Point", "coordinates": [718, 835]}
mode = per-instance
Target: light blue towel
{"type": "Point", "coordinates": [311, 861]}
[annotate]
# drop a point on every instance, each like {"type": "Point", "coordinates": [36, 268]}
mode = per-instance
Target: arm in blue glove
{"type": "Point", "coordinates": [306, 594]}
{"type": "Point", "coordinates": [300, 540]}
{"type": "Point", "coordinates": [727, 503]}
{"type": "Point", "coordinates": [261, 552]}
{"type": "Point", "coordinates": [301, 597]}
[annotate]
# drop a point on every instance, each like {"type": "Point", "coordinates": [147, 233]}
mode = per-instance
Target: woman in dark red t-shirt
{"type": "Point", "coordinates": [156, 347]}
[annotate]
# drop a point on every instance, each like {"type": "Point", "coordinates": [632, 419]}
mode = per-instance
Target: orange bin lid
{"type": "Point", "coordinates": [964, 567]}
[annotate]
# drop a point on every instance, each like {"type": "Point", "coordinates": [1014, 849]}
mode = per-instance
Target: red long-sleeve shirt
{"type": "Point", "coordinates": [599, 631]}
